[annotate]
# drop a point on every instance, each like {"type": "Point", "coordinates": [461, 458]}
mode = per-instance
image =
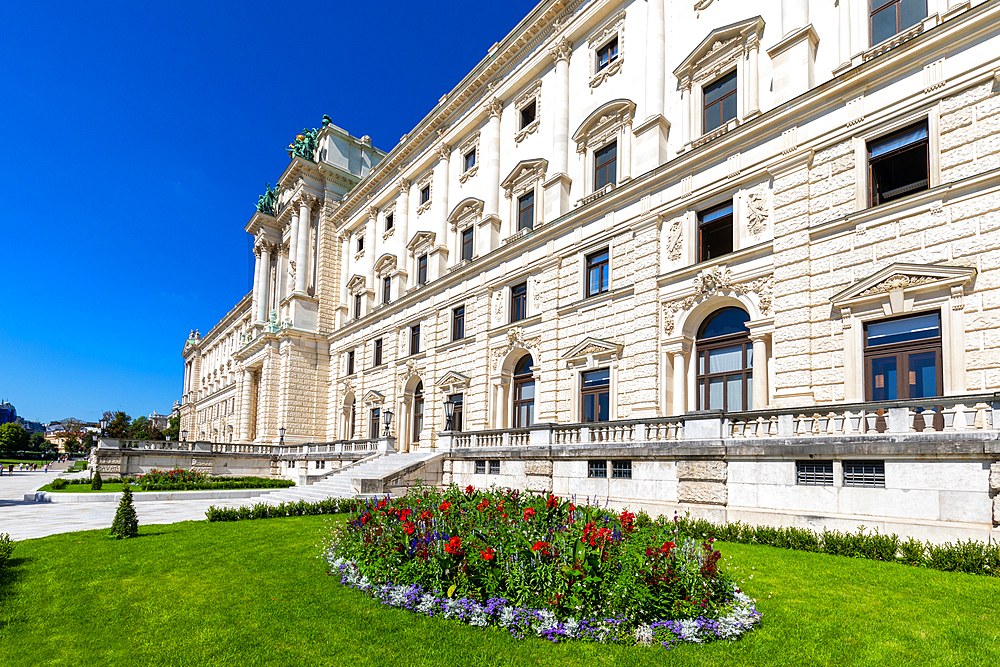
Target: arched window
{"type": "Point", "coordinates": [352, 419]}
{"type": "Point", "coordinates": [725, 362]}
{"type": "Point", "coordinates": [524, 393]}
{"type": "Point", "coordinates": [418, 411]}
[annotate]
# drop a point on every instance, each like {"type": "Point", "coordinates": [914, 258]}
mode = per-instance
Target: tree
{"type": "Point", "coordinates": [38, 442]}
{"type": "Point", "coordinates": [71, 444]}
{"type": "Point", "coordinates": [118, 424]}
{"type": "Point", "coordinates": [96, 482]}
{"type": "Point", "coordinates": [173, 430]}
{"type": "Point", "coordinates": [13, 438]}
{"type": "Point", "coordinates": [143, 429]}
{"type": "Point", "coordinates": [126, 523]}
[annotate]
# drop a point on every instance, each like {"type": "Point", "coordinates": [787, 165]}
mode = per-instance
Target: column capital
{"type": "Point", "coordinates": [373, 212]}
{"type": "Point", "coordinates": [444, 151]}
{"type": "Point", "coordinates": [495, 107]}
{"type": "Point", "coordinates": [561, 49]}
{"type": "Point", "coordinates": [404, 186]}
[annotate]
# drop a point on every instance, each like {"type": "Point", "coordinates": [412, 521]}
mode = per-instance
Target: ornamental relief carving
{"type": "Point", "coordinates": [562, 49]}
{"type": "Point", "coordinates": [497, 305]}
{"type": "Point", "coordinates": [719, 279]}
{"type": "Point", "coordinates": [515, 339]}
{"type": "Point", "coordinates": [674, 241]}
{"type": "Point", "coordinates": [897, 281]}
{"type": "Point", "coordinates": [758, 210]}
{"type": "Point", "coordinates": [597, 40]}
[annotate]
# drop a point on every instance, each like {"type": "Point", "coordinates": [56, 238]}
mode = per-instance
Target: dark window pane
{"type": "Point", "coordinates": [495, 467]}
{"type": "Point", "coordinates": [480, 467]}
{"type": "Point", "coordinates": [415, 339]}
{"type": "Point", "coordinates": [910, 135]}
{"type": "Point", "coordinates": [884, 379]}
{"type": "Point", "coordinates": [607, 54]}
{"type": "Point", "coordinates": [911, 12]}
{"type": "Point", "coordinates": [719, 88]}
{"type": "Point", "coordinates": [923, 375]}
{"type": "Point", "coordinates": [621, 470]}
{"type": "Point", "coordinates": [422, 270]}
{"type": "Point", "coordinates": [467, 244]}
{"type": "Point", "coordinates": [716, 239]}
{"type": "Point", "coordinates": [526, 211]}
{"type": "Point", "coordinates": [458, 327]}
{"type": "Point", "coordinates": [905, 329]}
{"type": "Point", "coordinates": [606, 166]}
{"type": "Point", "coordinates": [527, 115]}
{"type": "Point", "coordinates": [724, 323]}
{"type": "Point", "coordinates": [864, 473]}
{"type": "Point", "coordinates": [814, 473]}
{"type": "Point", "coordinates": [878, 4]}
{"type": "Point", "coordinates": [425, 194]}
{"type": "Point", "coordinates": [598, 378]}
{"type": "Point", "coordinates": [524, 365]}
{"type": "Point", "coordinates": [388, 222]}
{"type": "Point", "coordinates": [597, 469]}
{"type": "Point", "coordinates": [884, 24]}
{"type": "Point", "coordinates": [728, 108]}
{"type": "Point", "coordinates": [470, 160]}
{"type": "Point", "coordinates": [378, 352]}
{"type": "Point", "coordinates": [518, 302]}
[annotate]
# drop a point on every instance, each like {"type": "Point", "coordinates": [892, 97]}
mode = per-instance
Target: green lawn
{"type": "Point", "coordinates": [40, 462]}
{"type": "Point", "coordinates": [253, 593]}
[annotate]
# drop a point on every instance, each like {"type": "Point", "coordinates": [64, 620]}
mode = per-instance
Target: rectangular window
{"type": "Point", "coordinates": [607, 54]}
{"type": "Point", "coordinates": [377, 356]}
{"type": "Point", "coordinates": [360, 244]}
{"type": "Point", "coordinates": [480, 467]}
{"type": "Point", "coordinates": [469, 160]}
{"type": "Point", "coordinates": [459, 401]}
{"type": "Point", "coordinates": [495, 467]}
{"type": "Point", "coordinates": [386, 289]}
{"type": "Point", "coordinates": [425, 194]}
{"type": "Point", "coordinates": [720, 102]}
{"type": "Point", "coordinates": [814, 473]}
{"type": "Point", "coordinates": [596, 395]}
{"type": "Point", "coordinates": [357, 306]}
{"type": "Point", "coordinates": [898, 164]}
{"type": "Point", "coordinates": [606, 166]}
{"type": "Point", "coordinates": [467, 247]}
{"type": "Point", "coordinates": [458, 323]}
{"type": "Point", "coordinates": [527, 115]}
{"type": "Point", "coordinates": [889, 17]}
{"type": "Point", "coordinates": [373, 424]}
{"type": "Point", "coordinates": [526, 211]}
{"type": "Point", "coordinates": [903, 359]}
{"type": "Point", "coordinates": [422, 270]}
{"type": "Point", "coordinates": [319, 465]}
{"type": "Point", "coordinates": [597, 272]}
{"type": "Point", "coordinates": [597, 469]}
{"type": "Point", "coordinates": [715, 232]}
{"type": "Point", "coordinates": [518, 302]}
{"type": "Point", "coordinates": [621, 470]}
{"type": "Point", "coordinates": [350, 362]}
{"type": "Point", "coordinates": [414, 339]}
{"type": "Point", "coordinates": [869, 474]}
{"type": "Point", "coordinates": [388, 222]}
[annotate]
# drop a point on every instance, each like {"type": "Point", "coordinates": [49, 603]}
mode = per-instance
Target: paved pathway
{"type": "Point", "coordinates": [25, 519]}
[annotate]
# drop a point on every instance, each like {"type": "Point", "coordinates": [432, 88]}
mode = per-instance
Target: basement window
{"type": "Point", "coordinates": [814, 473]}
{"type": "Point", "coordinates": [898, 164]}
{"type": "Point", "coordinates": [869, 474]}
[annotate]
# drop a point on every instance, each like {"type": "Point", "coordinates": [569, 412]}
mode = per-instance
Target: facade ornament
{"type": "Point", "coordinates": [498, 305]}
{"type": "Point", "coordinates": [304, 145]}
{"type": "Point", "coordinates": [444, 151]}
{"type": "Point", "coordinates": [757, 211]}
{"type": "Point", "coordinates": [494, 107]}
{"type": "Point", "coordinates": [562, 49]}
{"type": "Point", "coordinates": [897, 281]}
{"type": "Point", "coordinates": [715, 280]}
{"type": "Point", "coordinates": [267, 203]}
{"type": "Point", "coordinates": [536, 292]}
{"type": "Point", "coordinates": [515, 340]}
{"type": "Point", "coordinates": [404, 186]}
{"type": "Point", "coordinates": [675, 239]}
{"type": "Point", "coordinates": [957, 298]}
{"type": "Point", "coordinates": [700, 5]}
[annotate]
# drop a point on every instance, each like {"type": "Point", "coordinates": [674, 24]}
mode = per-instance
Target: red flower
{"type": "Point", "coordinates": [667, 547]}
{"type": "Point", "coordinates": [483, 505]}
{"type": "Point", "coordinates": [405, 514]}
{"type": "Point", "coordinates": [426, 515]}
{"type": "Point", "coordinates": [628, 521]}
{"type": "Point", "coordinates": [454, 545]}
{"type": "Point", "coordinates": [488, 554]}
{"type": "Point", "coordinates": [409, 528]}
{"type": "Point", "coordinates": [572, 507]}
{"type": "Point", "coordinates": [528, 513]}
{"type": "Point", "coordinates": [470, 489]}
{"type": "Point", "coordinates": [543, 547]}
{"type": "Point", "coordinates": [444, 506]}
{"type": "Point", "coordinates": [552, 502]}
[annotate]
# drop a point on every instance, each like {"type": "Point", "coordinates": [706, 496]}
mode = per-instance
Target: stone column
{"type": "Point", "coordinates": [760, 379]}
{"type": "Point", "coordinates": [254, 309]}
{"type": "Point", "coordinates": [345, 266]}
{"type": "Point", "coordinates": [265, 282]}
{"type": "Point", "coordinates": [293, 243]}
{"type": "Point", "coordinates": [678, 351]}
{"type": "Point", "coordinates": [302, 246]}
{"type": "Point", "coordinates": [626, 150]}
{"type": "Point", "coordinates": [369, 259]}
{"type": "Point", "coordinates": [439, 255]}
{"type": "Point", "coordinates": [688, 106]}
{"type": "Point", "coordinates": [401, 223]}
{"type": "Point", "coordinates": [844, 14]}
{"type": "Point", "coordinates": [246, 407]}
{"type": "Point", "coordinates": [753, 80]}
{"type": "Point", "coordinates": [561, 52]}
{"type": "Point", "coordinates": [491, 174]}
{"type": "Point", "coordinates": [656, 45]}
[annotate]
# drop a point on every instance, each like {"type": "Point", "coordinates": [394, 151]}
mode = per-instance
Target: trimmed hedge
{"type": "Point", "coordinates": [215, 483]}
{"type": "Point", "coordinates": [970, 557]}
{"type": "Point", "coordinates": [299, 508]}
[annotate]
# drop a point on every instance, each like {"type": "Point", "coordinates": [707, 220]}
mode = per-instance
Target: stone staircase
{"type": "Point", "coordinates": [340, 484]}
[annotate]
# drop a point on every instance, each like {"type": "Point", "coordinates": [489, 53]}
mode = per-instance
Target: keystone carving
{"type": "Point", "coordinates": [897, 281]}
{"type": "Point", "coordinates": [719, 279]}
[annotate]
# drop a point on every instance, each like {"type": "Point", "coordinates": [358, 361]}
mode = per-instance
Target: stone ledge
{"type": "Point", "coordinates": [140, 496]}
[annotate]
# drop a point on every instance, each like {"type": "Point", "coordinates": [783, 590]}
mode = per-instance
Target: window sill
{"type": "Point", "coordinates": [452, 344]}
{"type": "Point", "coordinates": [714, 134]}
{"type": "Point", "coordinates": [594, 196]}
{"type": "Point", "coordinates": [527, 321]}
{"type": "Point", "coordinates": [596, 300]}
{"type": "Point", "coordinates": [898, 39]}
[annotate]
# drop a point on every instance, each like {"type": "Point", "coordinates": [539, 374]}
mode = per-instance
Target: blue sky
{"type": "Point", "coordinates": [136, 138]}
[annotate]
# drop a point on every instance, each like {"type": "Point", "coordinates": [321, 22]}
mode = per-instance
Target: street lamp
{"type": "Point", "coordinates": [449, 413]}
{"type": "Point", "coordinates": [281, 436]}
{"type": "Point", "coordinates": [104, 425]}
{"type": "Point", "coordinates": [184, 436]}
{"type": "Point", "coordinates": [387, 416]}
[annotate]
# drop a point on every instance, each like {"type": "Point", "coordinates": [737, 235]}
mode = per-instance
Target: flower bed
{"type": "Point", "coordinates": [179, 479]}
{"type": "Point", "coordinates": [540, 565]}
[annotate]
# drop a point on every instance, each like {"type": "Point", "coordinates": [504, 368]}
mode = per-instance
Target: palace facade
{"type": "Point", "coordinates": [741, 259]}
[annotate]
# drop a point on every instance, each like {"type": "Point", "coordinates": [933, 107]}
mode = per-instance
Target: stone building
{"type": "Point", "coordinates": [742, 260]}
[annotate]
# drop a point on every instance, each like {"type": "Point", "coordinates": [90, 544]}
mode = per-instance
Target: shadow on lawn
{"type": "Point", "coordinates": [9, 574]}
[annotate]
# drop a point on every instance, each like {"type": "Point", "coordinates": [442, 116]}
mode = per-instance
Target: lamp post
{"type": "Point", "coordinates": [387, 416]}
{"type": "Point", "coordinates": [104, 425]}
{"type": "Point", "coordinates": [184, 436]}
{"type": "Point", "coordinates": [449, 413]}
{"type": "Point", "coordinates": [281, 436]}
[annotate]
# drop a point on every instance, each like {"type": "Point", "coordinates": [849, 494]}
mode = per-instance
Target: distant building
{"type": "Point", "coordinates": [8, 414]}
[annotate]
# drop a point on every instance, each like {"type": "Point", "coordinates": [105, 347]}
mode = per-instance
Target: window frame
{"type": "Point", "coordinates": [459, 415]}
{"type": "Point", "coordinates": [814, 473]}
{"type": "Point", "coordinates": [517, 387]}
{"type": "Point", "coordinates": [705, 105]}
{"type": "Point", "coordinates": [704, 346]}
{"type": "Point", "coordinates": [519, 302]}
{"type": "Point", "coordinates": [422, 269]}
{"type": "Point", "coordinates": [480, 467]}
{"type": "Point", "coordinates": [467, 163]}
{"type": "Point", "coordinates": [386, 290]}
{"type": "Point", "coordinates": [494, 469]}
{"type": "Point", "coordinates": [902, 351]}
{"type": "Point", "coordinates": [389, 222]}
{"type": "Point", "coordinates": [529, 209]}
{"type": "Point", "coordinates": [897, 5]}
{"type": "Point", "coordinates": [604, 270]}
{"type": "Point", "coordinates": [377, 352]}
{"type": "Point", "coordinates": [350, 363]}
{"type": "Point", "coordinates": [876, 198]}
{"type": "Point", "coordinates": [719, 222]}
{"type": "Point", "coordinates": [358, 305]}
{"type": "Point", "coordinates": [595, 392]}
{"type": "Point", "coordinates": [467, 239]}
{"type": "Point", "coordinates": [523, 120]}
{"type": "Point", "coordinates": [415, 338]}
{"type": "Point", "coordinates": [851, 474]}
{"type": "Point", "coordinates": [610, 167]}
{"type": "Point", "coordinates": [424, 194]}
{"type": "Point", "coordinates": [612, 57]}
{"type": "Point", "coordinates": [458, 322]}
{"type": "Point", "coordinates": [597, 469]}
{"type": "Point", "coordinates": [621, 469]}
{"type": "Point", "coordinates": [374, 416]}
{"type": "Point", "coordinates": [419, 405]}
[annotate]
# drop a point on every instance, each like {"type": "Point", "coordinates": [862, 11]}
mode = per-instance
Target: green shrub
{"type": "Point", "coordinates": [59, 483]}
{"type": "Point", "coordinates": [126, 523]}
{"type": "Point", "coordinates": [6, 549]}
{"type": "Point", "coordinates": [96, 483]}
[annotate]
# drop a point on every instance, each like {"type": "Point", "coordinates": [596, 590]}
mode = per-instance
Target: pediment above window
{"type": "Point", "coordinates": [373, 397]}
{"type": "Point", "coordinates": [453, 379]}
{"type": "Point", "coordinates": [719, 49]}
{"type": "Point", "coordinates": [421, 241]}
{"type": "Point", "coordinates": [527, 172]}
{"type": "Point", "coordinates": [468, 211]}
{"type": "Point", "coordinates": [385, 265]}
{"type": "Point", "coordinates": [897, 286]}
{"type": "Point", "coordinates": [594, 347]}
{"type": "Point", "coordinates": [603, 122]}
{"type": "Point", "coordinates": [356, 285]}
